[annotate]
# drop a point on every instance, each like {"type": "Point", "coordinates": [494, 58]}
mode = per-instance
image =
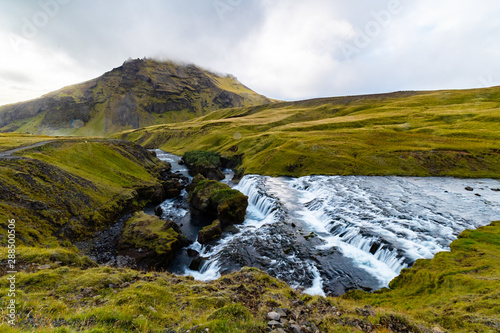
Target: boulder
{"type": "Point", "coordinates": [206, 163]}
{"type": "Point", "coordinates": [273, 316]}
{"type": "Point", "coordinates": [217, 200]}
{"type": "Point", "coordinates": [150, 241]}
{"type": "Point", "coordinates": [173, 188]}
{"type": "Point", "coordinates": [158, 211]}
{"type": "Point", "coordinates": [210, 232]}
{"type": "Point", "coordinates": [196, 263]}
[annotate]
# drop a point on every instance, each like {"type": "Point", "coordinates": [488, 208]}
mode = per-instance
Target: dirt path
{"type": "Point", "coordinates": [8, 153]}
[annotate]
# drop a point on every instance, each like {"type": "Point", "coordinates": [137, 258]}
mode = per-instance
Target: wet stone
{"type": "Point", "coordinates": [281, 312]}
{"type": "Point", "coordinates": [274, 316]}
{"type": "Point", "coordinates": [274, 324]}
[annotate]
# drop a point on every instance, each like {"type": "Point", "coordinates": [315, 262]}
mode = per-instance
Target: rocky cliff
{"type": "Point", "coordinates": [139, 93]}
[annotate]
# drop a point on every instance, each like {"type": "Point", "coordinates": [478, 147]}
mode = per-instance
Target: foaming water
{"type": "Point", "coordinates": [329, 234]}
{"type": "Point", "coordinates": [379, 225]}
{"type": "Point", "coordinates": [396, 220]}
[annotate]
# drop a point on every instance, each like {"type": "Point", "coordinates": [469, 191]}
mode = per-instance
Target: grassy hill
{"type": "Point", "coordinates": [70, 188]}
{"type": "Point", "coordinates": [434, 133]}
{"type": "Point", "coordinates": [139, 93]}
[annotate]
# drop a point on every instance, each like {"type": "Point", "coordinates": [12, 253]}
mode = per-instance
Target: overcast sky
{"type": "Point", "coordinates": [284, 49]}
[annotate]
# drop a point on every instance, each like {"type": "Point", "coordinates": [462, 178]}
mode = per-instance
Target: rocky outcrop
{"type": "Point", "coordinates": [172, 188]}
{"type": "Point", "coordinates": [210, 232]}
{"type": "Point", "coordinates": [217, 200]}
{"type": "Point", "coordinates": [150, 241]}
{"type": "Point", "coordinates": [205, 163]}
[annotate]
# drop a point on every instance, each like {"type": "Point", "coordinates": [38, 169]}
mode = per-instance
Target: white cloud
{"type": "Point", "coordinates": [294, 45]}
{"type": "Point", "coordinates": [288, 49]}
{"type": "Point", "coordinates": [29, 70]}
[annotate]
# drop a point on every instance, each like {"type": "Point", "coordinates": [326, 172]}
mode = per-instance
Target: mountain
{"type": "Point", "coordinates": [139, 93]}
{"type": "Point", "coordinates": [426, 133]}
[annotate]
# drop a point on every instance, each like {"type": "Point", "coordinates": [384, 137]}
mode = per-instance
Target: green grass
{"type": "Point", "coordinates": [10, 141]}
{"type": "Point", "coordinates": [440, 133]}
{"type": "Point", "coordinates": [456, 291]}
{"type": "Point", "coordinates": [202, 158]}
{"type": "Point", "coordinates": [69, 188]}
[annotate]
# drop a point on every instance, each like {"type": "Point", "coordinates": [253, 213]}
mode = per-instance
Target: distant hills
{"type": "Point", "coordinates": [426, 133]}
{"type": "Point", "coordinates": [139, 93]}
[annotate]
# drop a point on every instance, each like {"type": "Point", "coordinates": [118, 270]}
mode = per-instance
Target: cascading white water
{"type": "Point", "coordinates": [393, 219]}
{"type": "Point", "coordinates": [259, 212]}
{"type": "Point", "coordinates": [382, 224]}
{"type": "Point", "coordinates": [334, 233]}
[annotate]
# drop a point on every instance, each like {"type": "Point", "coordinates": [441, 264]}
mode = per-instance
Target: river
{"type": "Point", "coordinates": [330, 234]}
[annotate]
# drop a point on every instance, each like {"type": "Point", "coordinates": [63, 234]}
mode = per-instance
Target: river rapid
{"type": "Point", "coordinates": [331, 234]}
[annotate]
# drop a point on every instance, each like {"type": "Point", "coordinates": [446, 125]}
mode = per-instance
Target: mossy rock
{"type": "Point", "coordinates": [218, 200]}
{"type": "Point", "coordinates": [202, 162]}
{"type": "Point", "coordinates": [152, 242]}
{"type": "Point", "coordinates": [210, 232]}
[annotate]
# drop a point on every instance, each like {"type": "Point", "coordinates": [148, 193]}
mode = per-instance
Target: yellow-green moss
{"type": "Point", "coordinates": [150, 232]}
{"type": "Point", "coordinates": [67, 189]}
{"type": "Point", "coordinates": [440, 133]}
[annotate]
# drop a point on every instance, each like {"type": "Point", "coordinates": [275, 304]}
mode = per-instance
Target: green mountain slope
{"type": "Point", "coordinates": [137, 94]}
{"type": "Point", "coordinates": [435, 133]}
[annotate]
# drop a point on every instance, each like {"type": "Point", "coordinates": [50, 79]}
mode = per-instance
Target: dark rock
{"type": "Point", "coordinates": [210, 232]}
{"type": "Point", "coordinates": [171, 224]}
{"type": "Point", "coordinates": [172, 188]}
{"type": "Point", "coordinates": [281, 312]}
{"type": "Point", "coordinates": [274, 324]}
{"type": "Point", "coordinates": [496, 189]}
{"type": "Point", "coordinates": [468, 188]}
{"type": "Point", "coordinates": [158, 211]}
{"type": "Point", "coordinates": [231, 162]}
{"type": "Point", "coordinates": [192, 253]}
{"type": "Point", "coordinates": [196, 263]}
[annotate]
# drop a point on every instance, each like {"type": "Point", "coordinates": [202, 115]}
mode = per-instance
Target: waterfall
{"type": "Point", "coordinates": [392, 219]}
{"type": "Point", "coordinates": [260, 211]}
{"type": "Point", "coordinates": [329, 234]}
{"type": "Point", "coordinates": [259, 201]}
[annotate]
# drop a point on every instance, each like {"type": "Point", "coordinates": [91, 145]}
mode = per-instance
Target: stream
{"type": "Point", "coordinates": [331, 234]}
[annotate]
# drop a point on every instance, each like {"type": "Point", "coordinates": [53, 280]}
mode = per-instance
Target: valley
{"type": "Point", "coordinates": [162, 197]}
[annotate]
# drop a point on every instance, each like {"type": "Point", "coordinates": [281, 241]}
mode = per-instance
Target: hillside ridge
{"type": "Point", "coordinates": [139, 93]}
{"type": "Point", "coordinates": [430, 133]}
